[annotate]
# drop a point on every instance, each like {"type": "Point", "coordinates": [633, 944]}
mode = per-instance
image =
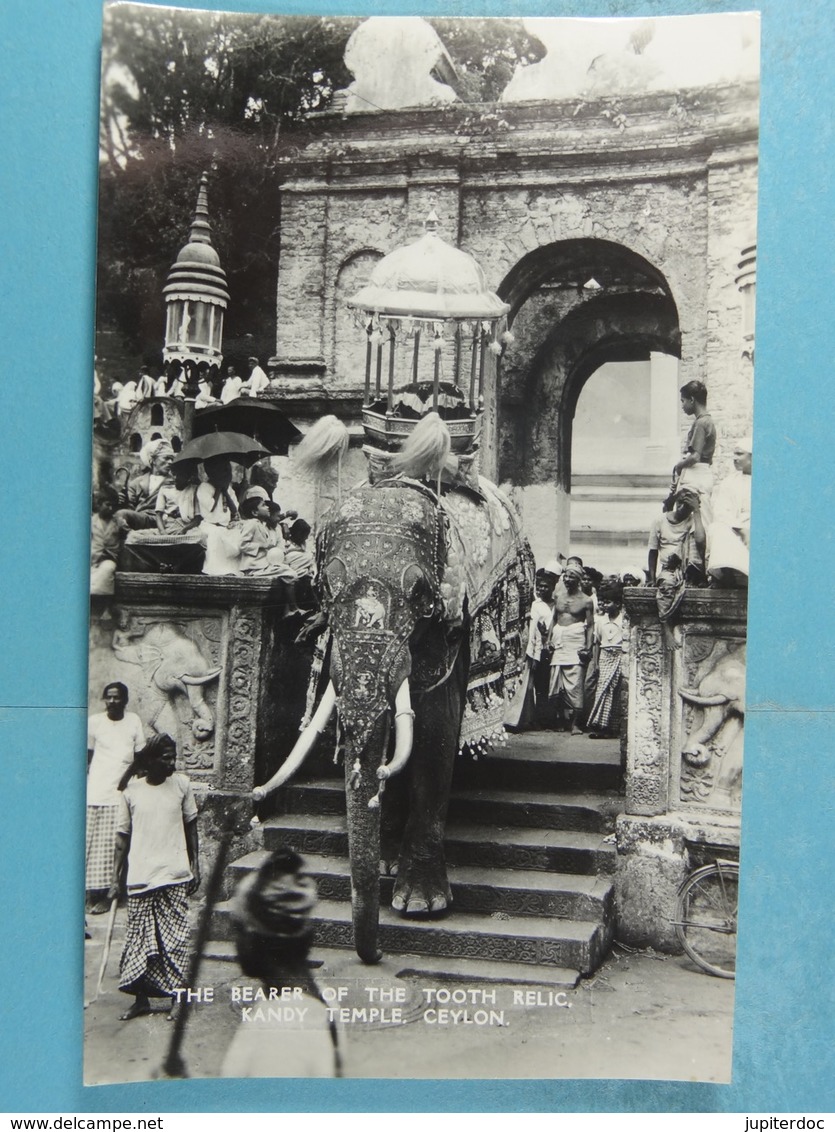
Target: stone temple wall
{"type": "Point", "coordinates": [662, 185]}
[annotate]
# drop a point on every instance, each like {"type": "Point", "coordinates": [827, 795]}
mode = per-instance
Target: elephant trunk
{"type": "Point", "coordinates": [364, 847]}
{"type": "Point", "coordinates": [363, 790]}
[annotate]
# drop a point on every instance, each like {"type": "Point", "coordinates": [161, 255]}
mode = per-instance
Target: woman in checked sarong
{"type": "Point", "coordinates": [604, 718]}
{"type": "Point", "coordinates": [157, 832]}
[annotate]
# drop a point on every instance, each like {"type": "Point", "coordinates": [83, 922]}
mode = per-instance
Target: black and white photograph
{"type": "Point", "coordinates": [421, 491]}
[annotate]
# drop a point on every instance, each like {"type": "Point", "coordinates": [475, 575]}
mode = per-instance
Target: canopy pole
{"type": "Point", "coordinates": [481, 368]}
{"type": "Point", "coordinates": [369, 332]}
{"type": "Point", "coordinates": [473, 362]}
{"type": "Point", "coordinates": [379, 376]}
{"type": "Point", "coordinates": [391, 368]}
{"type": "Point", "coordinates": [436, 379]}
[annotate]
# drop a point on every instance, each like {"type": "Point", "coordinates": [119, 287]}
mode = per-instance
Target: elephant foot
{"type": "Point", "coordinates": [421, 892]}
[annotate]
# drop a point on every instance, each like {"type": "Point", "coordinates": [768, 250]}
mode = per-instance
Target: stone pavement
{"type": "Point", "coordinates": [642, 1015]}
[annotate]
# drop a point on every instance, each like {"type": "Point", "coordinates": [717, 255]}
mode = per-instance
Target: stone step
{"type": "Point", "coordinates": [474, 889]}
{"type": "Point", "coordinates": [591, 812]}
{"type": "Point", "coordinates": [332, 962]}
{"type": "Point", "coordinates": [547, 850]}
{"type": "Point", "coordinates": [543, 941]}
{"type": "Point", "coordinates": [544, 761]}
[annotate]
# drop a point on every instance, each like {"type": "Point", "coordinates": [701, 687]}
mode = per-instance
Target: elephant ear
{"type": "Point", "coordinates": [418, 591]}
{"type": "Point", "coordinates": [334, 577]}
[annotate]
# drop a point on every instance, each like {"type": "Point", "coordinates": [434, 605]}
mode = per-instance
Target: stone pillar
{"type": "Point", "coordinates": [300, 334]}
{"type": "Point", "coordinates": [684, 757]}
{"type": "Point", "coordinates": [732, 184]}
{"type": "Point", "coordinates": [662, 450]}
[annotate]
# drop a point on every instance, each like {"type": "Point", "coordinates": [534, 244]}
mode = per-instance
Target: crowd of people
{"type": "Point", "coordinates": [219, 390]}
{"type": "Point", "coordinates": [235, 527]}
{"type": "Point", "coordinates": [573, 660]}
{"type": "Point", "coordinates": [574, 657]}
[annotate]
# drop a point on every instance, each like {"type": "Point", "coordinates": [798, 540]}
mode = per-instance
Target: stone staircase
{"type": "Point", "coordinates": [530, 858]}
{"type": "Point", "coordinates": [611, 517]}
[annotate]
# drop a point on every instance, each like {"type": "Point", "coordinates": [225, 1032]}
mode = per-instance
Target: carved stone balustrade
{"type": "Point", "coordinates": [684, 752]}
{"type": "Point", "coordinates": [210, 661]}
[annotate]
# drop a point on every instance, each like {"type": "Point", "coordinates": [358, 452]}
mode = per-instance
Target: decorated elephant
{"type": "Point", "coordinates": [425, 584]}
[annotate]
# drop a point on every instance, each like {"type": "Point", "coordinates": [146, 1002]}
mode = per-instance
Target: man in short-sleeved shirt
{"type": "Point", "coordinates": [152, 817]}
{"type": "Point", "coordinates": [695, 468]}
{"type": "Point", "coordinates": [113, 738]}
{"type": "Point", "coordinates": [157, 832]}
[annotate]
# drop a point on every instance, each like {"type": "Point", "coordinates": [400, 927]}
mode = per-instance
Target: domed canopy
{"type": "Point", "coordinates": [196, 273]}
{"type": "Point", "coordinates": [429, 279]}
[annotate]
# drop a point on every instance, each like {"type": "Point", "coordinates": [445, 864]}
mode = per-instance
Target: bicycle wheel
{"type": "Point", "coordinates": [706, 918]}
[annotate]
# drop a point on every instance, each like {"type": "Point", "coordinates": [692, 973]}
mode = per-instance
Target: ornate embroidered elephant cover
{"type": "Point", "coordinates": [470, 548]}
{"type": "Point", "coordinates": [488, 560]}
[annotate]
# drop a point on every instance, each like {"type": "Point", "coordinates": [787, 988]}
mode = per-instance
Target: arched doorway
{"type": "Point", "coordinates": [577, 307]}
{"type": "Point", "coordinates": [624, 443]}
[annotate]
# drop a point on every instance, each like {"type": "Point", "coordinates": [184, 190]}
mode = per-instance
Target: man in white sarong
{"type": "Point", "coordinates": [572, 634]}
{"type": "Point", "coordinates": [728, 534]}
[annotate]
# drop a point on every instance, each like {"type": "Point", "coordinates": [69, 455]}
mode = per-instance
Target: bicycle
{"type": "Point", "coordinates": [706, 916]}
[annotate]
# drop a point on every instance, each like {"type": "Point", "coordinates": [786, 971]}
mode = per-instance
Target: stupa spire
{"type": "Point", "coordinates": [201, 229]}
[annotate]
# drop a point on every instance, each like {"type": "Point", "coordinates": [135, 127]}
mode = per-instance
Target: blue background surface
{"type": "Point", "coordinates": [784, 1030]}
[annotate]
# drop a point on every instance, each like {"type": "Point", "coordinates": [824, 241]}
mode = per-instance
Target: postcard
{"type": "Point", "coordinates": [423, 450]}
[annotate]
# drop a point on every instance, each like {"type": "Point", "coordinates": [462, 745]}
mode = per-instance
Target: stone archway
{"type": "Point", "coordinates": [575, 305]}
{"type": "Point", "coordinates": [348, 346]}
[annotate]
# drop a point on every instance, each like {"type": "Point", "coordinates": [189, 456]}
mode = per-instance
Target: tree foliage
{"type": "Point", "coordinates": [186, 91]}
{"type": "Point", "coordinates": [485, 53]}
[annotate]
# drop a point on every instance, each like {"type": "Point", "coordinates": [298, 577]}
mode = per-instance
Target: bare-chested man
{"type": "Point", "coordinates": [572, 635]}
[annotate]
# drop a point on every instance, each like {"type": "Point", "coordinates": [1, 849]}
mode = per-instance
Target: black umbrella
{"type": "Point", "coordinates": [259, 419]}
{"type": "Point", "coordinates": [234, 445]}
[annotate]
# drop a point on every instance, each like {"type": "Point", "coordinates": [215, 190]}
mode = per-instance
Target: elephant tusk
{"type": "Point", "coordinates": [404, 731]}
{"type": "Point", "coordinates": [693, 697]}
{"type": "Point", "coordinates": [304, 743]}
{"type": "Point", "coordinates": [206, 678]}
